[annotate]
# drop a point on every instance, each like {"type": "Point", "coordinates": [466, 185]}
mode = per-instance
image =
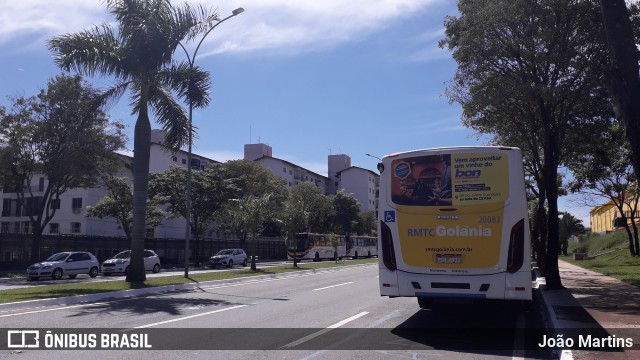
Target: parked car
{"type": "Point", "coordinates": [69, 263]}
{"type": "Point", "coordinates": [228, 257]}
{"type": "Point", "coordinates": [120, 262]}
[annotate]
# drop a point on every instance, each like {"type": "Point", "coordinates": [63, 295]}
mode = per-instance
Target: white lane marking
{"type": "Point", "coordinates": [189, 317]}
{"type": "Point", "coordinates": [324, 331]}
{"type": "Point", "coordinates": [332, 286]}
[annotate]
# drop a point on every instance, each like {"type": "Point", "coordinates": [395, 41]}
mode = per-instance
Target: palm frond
{"type": "Point", "coordinates": [113, 94]}
{"type": "Point", "coordinates": [170, 115]}
{"type": "Point", "coordinates": [89, 52]}
{"type": "Point", "coordinates": [192, 85]}
{"type": "Point", "coordinates": [201, 19]}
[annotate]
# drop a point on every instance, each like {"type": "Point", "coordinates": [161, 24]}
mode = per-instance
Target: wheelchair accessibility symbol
{"type": "Point", "coordinates": [390, 216]}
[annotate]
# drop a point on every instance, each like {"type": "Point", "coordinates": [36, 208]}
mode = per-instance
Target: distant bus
{"type": "Point", "coordinates": [362, 246]}
{"type": "Point", "coordinates": [316, 247]}
{"type": "Point", "coordinates": [453, 225]}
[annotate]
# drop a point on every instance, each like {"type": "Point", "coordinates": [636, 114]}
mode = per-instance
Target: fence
{"type": "Point", "coordinates": [15, 249]}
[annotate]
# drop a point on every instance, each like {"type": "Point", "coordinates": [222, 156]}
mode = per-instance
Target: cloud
{"type": "Point", "coordinates": [274, 25]}
{"type": "Point", "coordinates": [44, 18]}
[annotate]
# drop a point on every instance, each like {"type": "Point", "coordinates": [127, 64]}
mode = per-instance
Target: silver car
{"type": "Point", "coordinates": [228, 257]}
{"type": "Point", "coordinates": [70, 263]}
{"type": "Point", "coordinates": [120, 262]}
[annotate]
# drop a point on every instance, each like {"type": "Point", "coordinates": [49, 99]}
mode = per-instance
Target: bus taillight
{"type": "Point", "coordinates": [516, 247]}
{"type": "Point", "coordinates": [386, 246]}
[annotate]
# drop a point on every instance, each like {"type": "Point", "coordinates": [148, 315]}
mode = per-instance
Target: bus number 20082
{"type": "Point", "coordinates": [490, 219]}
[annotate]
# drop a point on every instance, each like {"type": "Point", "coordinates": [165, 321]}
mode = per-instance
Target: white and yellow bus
{"type": "Point", "coordinates": [453, 225]}
{"type": "Point", "coordinates": [360, 246]}
{"type": "Point", "coordinates": [316, 247]}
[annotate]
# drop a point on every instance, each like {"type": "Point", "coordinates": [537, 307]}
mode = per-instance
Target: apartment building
{"type": "Point", "coordinates": [360, 182]}
{"type": "Point", "coordinates": [363, 184]}
{"type": "Point", "coordinates": [291, 173]}
{"type": "Point", "coordinates": [71, 209]}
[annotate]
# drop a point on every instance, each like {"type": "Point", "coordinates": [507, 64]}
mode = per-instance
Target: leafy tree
{"type": "Point", "coordinates": [569, 225]}
{"type": "Point", "coordinates": [118, 204]}
{"type": "Point", "coordinates": [367, 224]}
{"type": "Point", "coordinates": [139, 55]}
{"type": "Point", "coordinates": [306, 209]}
{"type": "Point", "coordinates": [210, 191]}
{"type": "Point", "coordinates": [529, 70]}
{"type": "Point", "coordinates": [251, 185]}
{"type": "Point", "coordinates": [247, 216]}
{"type": "Point", "coordinates": [606, 173]}
{"type": "Point", "coordinates": [251, 178]}
{"type": "Point", "coordinates": [624, 76]}
{"type": "Point", "coordinates": [62, 135]}
{"type": "Point", "coordinates": [345, 210]}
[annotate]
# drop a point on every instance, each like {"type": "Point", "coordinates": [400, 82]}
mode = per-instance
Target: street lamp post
{"type": "Point", "coordinates": [191, 60]}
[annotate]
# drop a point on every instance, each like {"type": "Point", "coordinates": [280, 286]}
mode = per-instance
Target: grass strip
{"type": "Point", "coordinates": [618, 264]}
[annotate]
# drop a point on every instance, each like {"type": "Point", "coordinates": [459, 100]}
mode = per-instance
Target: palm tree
{"type": "Point", "coordinates": [139, 55]}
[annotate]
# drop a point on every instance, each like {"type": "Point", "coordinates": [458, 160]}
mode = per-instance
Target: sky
{"type": "Point", "coordinates": [309, 78]}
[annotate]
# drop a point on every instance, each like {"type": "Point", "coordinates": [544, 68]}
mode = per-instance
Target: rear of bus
{"type": "Point", "coordinates": [453, 225]}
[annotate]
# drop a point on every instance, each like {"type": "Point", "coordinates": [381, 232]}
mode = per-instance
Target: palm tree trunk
{"type": "Point", "coordinates": [141, 155]}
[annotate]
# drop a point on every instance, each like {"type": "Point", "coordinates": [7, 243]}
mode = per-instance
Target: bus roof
{"type": "Point", "coordinates": [453, 148]}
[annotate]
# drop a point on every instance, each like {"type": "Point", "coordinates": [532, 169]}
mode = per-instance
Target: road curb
{"type": "Point", "coordinates": [550, 314]}
{"type": "Point", "coordinates": [124, 294]}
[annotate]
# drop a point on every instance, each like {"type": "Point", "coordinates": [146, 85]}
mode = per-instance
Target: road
{"type": "Point", "coordinates": [334, 314]}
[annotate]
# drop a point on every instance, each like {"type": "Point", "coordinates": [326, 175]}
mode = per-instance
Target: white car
{"type": "Point", "coordinates": [120, 262]}
{"type": "Point", "coordinates": [228, 258]}
{"type": "Point", "coordinates": [69, 263]}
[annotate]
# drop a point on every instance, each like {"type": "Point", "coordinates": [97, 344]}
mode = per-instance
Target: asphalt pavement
{"type": "Point", "coordinates": [594, 316]}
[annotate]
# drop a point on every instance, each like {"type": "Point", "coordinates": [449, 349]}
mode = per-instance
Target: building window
{"type": "Point", "coordinates": [26, 227]}
{"type": "Point", "coordinates": [284, 170]}
{"type": "Point", "coordinates": [6, 207]}
{"type": "Point", "coordinates": [148, 233]}
{"type": "Point", "coordinates": [16, 227]}
{"type": "Point", "coordinates": [55, 204]}
{"type": "Point", "coordinates": [41, 185]}
{"type": "Point", "coordinates": [174, 158]}
{"type": "Point", "coordinates": [4, 227]}
{"type": "Point", "coordinates": [54, 228]}
{"type": "Point", "coordinates": [290, 172]}
{"type": "Point", "coordinates": [76, 205]}
{"type": "Point", "coordinates": [75, 227]}
{"type": "Point", "coordinates": [184, 161]}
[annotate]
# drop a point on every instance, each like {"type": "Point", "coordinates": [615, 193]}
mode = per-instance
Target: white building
{"type": "Point", "coordinates": [72, 207]}
{"type": "Point", "coordinates": [363, 184]}
{"type": "Point", "coordinates": [291, 173]}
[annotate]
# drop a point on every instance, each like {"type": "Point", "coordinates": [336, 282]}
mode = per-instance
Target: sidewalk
{"type": "Point", "coordinates": [595, 304]}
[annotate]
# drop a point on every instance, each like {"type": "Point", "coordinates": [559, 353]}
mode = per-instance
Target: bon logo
{"type": "Point", "coordinates": [468, 173]}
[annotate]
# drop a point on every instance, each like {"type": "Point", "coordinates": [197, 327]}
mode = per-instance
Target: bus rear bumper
{"type": "Point", "coordinates": [516, 286]}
